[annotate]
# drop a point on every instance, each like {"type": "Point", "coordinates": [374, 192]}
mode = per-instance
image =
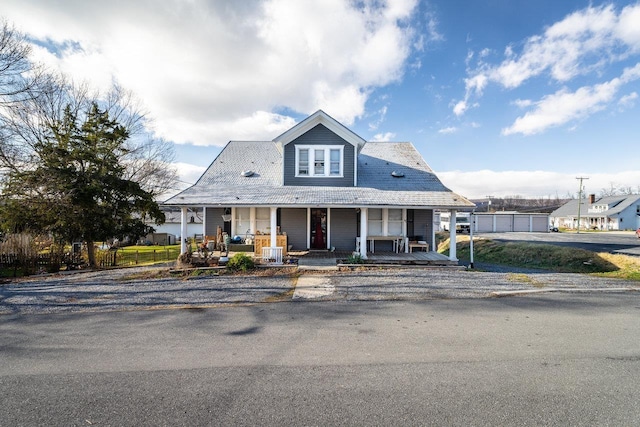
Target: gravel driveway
{"type": "Point", "coordinates": [120, 290]}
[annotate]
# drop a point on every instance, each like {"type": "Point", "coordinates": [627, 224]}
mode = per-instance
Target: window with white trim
{"type": "Point", "coordinates": [263, 220]}
{"type": "Point", "coordinates": [320, 161]}
{"type": "Point", "coordinates": [243, 220]}
{"type": "Point", "coordinates": [375, 222]}
{"type": "Point", "coordinates": [395, 222]}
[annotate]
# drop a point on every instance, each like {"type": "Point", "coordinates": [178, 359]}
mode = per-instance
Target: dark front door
{"type": "Point", "coordinates": [318, 229]}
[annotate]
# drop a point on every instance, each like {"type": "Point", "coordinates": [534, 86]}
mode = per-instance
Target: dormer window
{"type": "Point", "coordinates": [319, 161]}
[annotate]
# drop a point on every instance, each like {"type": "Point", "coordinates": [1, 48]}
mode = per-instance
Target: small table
{"type": "Point", "coordinates": [397, 242]}
{"type": "Point", "coordinates": [424, 246]}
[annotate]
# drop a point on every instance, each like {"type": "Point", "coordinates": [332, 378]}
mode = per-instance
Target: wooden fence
{"type": "Point", "coordinates": [124, 257]}
{"type": "Point", "coordinates": [20, 264]}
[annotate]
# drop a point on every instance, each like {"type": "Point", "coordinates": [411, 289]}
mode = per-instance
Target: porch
{"type": "Point", "coordinates": [325, 258]}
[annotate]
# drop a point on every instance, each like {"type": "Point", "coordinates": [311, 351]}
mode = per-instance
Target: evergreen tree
{"type": "Point", "coordinates": [77, 187]}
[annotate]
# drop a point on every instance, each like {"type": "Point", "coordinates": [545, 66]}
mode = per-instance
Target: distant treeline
{"type": "Point", "coordinates": [520, 204]}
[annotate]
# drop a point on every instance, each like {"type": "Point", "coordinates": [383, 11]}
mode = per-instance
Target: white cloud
{"type": "Point", "coordinates": [381, 113]}
{"type": "Point", "coordinates": [583, 43]}
{"type": "Point", "coordinates": [201, 68]}
{"type": "Point", "coordinates": [460, 108]}
{"type": "Point", "coordinates": [628, 29]}
{"type": "Point", "coordinates": [629, 100]}
{"type": "Point", "coordinates": [522, 103]}
{"type": "Point", "coordinates": [479, 184]}
{"type": "Point", "coordinates": [384, 137]}
{"type": "Point", "coordinates": [564, 106]}
{"type": "Point", "coordinates": [448, 130]}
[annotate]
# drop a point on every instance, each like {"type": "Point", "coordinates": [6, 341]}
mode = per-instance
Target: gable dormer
{"type": "Point", "coordinates": [319, 151]}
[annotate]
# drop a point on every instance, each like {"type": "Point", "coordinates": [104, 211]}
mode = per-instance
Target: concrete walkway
{"type": "Point", "coordinates": [311, 263]}
{"type": "Point", "coordinates": [313, 287]}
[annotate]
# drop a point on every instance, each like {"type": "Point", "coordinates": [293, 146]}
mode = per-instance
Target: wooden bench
{"type": "Point", "coordinates": [415, 244]}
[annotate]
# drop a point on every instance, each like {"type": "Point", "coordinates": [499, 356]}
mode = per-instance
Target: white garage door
{"type": "Point", "coordinates": [485, 223]}
{"type": "Point", "coordinates": [521, 223]}
{"type": "Point", "coordinates": [504, 223]}
{"type": "Point", "coordinates": [540, 223]}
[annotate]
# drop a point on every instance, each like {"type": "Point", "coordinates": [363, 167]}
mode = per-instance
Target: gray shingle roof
{"type": "Point", "coordinates": [378, 160]}
{"type": "Point", "coordinates": [223, 185]}
{"type": "Point", "coordinates": [616, 205]}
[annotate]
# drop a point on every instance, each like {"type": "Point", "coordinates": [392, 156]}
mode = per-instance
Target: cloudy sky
{"type": "Point", "coordinates": [501, 97]}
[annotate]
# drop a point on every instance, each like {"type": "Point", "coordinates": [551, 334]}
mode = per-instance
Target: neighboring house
{"type": "Point", "coordinates": [325, 188]}
{"type": "Point", "coordinates": [605, 213]}
{"type": "Point", "coordinates": [171, 230]}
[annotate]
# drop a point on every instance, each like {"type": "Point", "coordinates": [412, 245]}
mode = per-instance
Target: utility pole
{"type": "Point", "coordinates": [488, 202]}
{"type": "Point", "coordinates": [581, 178]}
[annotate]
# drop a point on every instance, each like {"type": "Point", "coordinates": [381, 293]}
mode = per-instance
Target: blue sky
{"type": "Point", "coordinates": [501, 97]}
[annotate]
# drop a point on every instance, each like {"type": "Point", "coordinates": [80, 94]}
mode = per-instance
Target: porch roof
{"type": "Point", "coordinates": [315, 196]}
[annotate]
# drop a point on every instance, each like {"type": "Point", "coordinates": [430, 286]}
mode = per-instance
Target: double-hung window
{"type": "Point", "coordinates": [319, 161]}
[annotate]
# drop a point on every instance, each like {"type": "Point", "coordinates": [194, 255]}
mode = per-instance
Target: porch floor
{"type": "Point", "coordinates": [412, 258]}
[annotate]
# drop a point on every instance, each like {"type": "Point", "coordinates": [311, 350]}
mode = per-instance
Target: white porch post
{"type": "Point", "coordinates": [363, 232]}
{"type": "Point", "coordinates": [252, 220]}
{"type": "Point", "coordinates": [204, 222]}
{"type": "Point", "coordinates": [328, 239]}
{"type": "Point", "coordinates": [274, 227]}
{"type": "Point", "coordinates": [404, 231]}
{"type": "Point", "coordinates": [452, 236]}
{"type": "Point", "coordinates": [434, 225]}
{"type": "Point", "coordinates": [183, 230]}
{"type": "Point", "coordinates": [308, 228]}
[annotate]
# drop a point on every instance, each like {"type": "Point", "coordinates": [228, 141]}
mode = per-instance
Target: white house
{"type": "Point", "coordinates": [605, 213]}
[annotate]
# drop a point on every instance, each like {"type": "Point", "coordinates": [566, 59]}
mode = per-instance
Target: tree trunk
{"type": "Point", "coordinates": [91, 253]}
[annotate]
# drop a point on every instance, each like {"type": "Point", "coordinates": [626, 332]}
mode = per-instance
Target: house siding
{"type": "Point", "coordinates": [293, 221]}
{"type": "Point", "coordinates": [213, 218]}
{"type": "Point", "coordinates": [630, 217]}
{"type": "Point", "coordinates": [344, 228]}
{"type": "Point", "coordinates": [319, 135]}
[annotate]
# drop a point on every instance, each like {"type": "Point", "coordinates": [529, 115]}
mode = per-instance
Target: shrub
{"type": "Point", "coordinates": [355, 258]}
{"type": "Point", "coordinates": [240, 262]}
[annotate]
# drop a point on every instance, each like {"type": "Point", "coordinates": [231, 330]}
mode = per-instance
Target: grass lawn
{"type": "Point", "coordinates": [547, 257]}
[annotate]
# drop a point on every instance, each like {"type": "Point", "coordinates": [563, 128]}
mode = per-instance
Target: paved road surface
{"type": "Point", "coordinates": [612, 241]}
{"type": "Point", "coordinates": [544, 360]}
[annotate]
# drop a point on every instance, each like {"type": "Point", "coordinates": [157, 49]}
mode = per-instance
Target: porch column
{"type": "Point", "coordinates": [204, 223]}
{"type": "Point", "coordinates": [363, 232]}
{"type": "Point", "coordinates": [404, 231]}
{"type": "Point", "coordinates": [452, 236]}
{"type": "Point", "coordinates": [252, 220]}
{"type": "Point", "coordinates": [183, 230]}
{"type": "Point", "coordinates": [308, 228]}
{"type": "Point", "coordinates": [274, 227]}
{"type": "Point", "coordinates": [328, 239]}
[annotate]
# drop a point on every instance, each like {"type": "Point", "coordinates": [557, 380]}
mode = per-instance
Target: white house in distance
{"type": "Point", "coordinates": [321, 186]}
{"type": "Point", "coordinates": [170, 231]}
{"type": "Point", "coordinates": [605, 213]}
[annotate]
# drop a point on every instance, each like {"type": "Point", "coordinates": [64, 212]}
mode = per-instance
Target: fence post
{"type": "Point", "coordinates": [136, 257]}
{"type": "Point", "coordinates": [154, 255]}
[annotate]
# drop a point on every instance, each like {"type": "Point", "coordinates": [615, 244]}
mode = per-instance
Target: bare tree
{"type": "Point", "coordinates": [17, 73]}
{"type": "Point", "coordinates": [26, 124]}
{"type": "Point", "coordinates": [611, 191]}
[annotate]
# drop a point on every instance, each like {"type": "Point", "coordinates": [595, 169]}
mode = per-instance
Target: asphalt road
{"type": "Point", "coordinates": [623, 242]}
{"type": "Point", "coordinates": [543, 360]}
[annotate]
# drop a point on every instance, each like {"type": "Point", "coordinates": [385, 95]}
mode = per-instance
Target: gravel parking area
{"type": "Point", "coordinates": [120, 290]}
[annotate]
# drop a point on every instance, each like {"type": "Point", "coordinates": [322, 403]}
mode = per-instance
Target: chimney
{"type": "Point", "coordinates": [592, 199]}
